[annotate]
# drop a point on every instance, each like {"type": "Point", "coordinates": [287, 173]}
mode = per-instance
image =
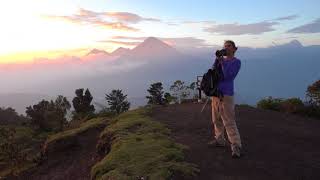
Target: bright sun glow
{"type": "Point", "coordinates": [27, 33]}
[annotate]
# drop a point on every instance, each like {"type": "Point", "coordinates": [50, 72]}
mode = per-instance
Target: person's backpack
{"type": "Point", "coordinates": [209, 82]}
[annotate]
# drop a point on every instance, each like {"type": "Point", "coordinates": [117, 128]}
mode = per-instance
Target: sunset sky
{"type": "Point", "coordinates": [48, 29]}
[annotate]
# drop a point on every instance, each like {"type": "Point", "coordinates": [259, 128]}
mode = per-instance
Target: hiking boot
{"type": "Point", "coordinates": [236, 152]}
{"type": "Point", "coordinates": [215, 143]}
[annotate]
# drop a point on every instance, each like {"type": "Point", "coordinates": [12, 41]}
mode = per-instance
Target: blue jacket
{"type": "Point", "coordinates": [229, 69]}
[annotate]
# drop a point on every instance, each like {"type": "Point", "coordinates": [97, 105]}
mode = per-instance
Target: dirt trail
{"type": "Point", "coordinates": [276, 145]}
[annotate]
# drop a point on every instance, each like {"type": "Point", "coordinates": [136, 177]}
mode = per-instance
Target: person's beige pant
{"type": "Point", "coordinates": [223, 118]}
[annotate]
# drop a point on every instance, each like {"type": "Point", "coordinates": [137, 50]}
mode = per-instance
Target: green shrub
{"type": "Point", "coordinates": [16, 150]}
{"type": "Point", "coordinates": [244, 105]}
{"type": "Point", "coordinates": [292, 105]}
{"type": "Point", "coordinates": [270, 103]}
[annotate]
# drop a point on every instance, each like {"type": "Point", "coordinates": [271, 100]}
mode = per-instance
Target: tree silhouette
{"type": "Point", "coordinates": [117, 101]}
{"type": "Point", "coordinates": [180, 90]}
{"type": "Point", "coordinates": [49, 115]}
{"type": "Point", "coordinates": [10, 116]}
{"type": "Point", "coordinates": [62, 106]}
{"type": "Point", "coordinates": [156, 94]}
{"type": "Point", "coordinates": [313, 93]}
{"type": "Point", "coordinates": [168, 98]}
{"type": "Point", "coordinates": [37, 114]}
{"type": "Point", "coordinates": [82, 104]}
{"type": "Point", "coordinates": [192, 88]}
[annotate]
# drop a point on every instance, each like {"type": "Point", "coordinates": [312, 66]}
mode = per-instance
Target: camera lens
{"type": "Point", "coordinates": [222, 52]}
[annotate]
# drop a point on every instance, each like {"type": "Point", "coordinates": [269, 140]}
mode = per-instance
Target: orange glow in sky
{"type": "Point", "coordinates": [26, 32]}
{"type": "Point", "coordinates": [32, 29]}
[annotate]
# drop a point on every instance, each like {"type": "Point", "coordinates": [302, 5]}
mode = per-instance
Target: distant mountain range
{"type": "Point", "coordinates": [280, 71]}
{"type": "Point", "coordinates": [120, 51]}
{"type": "Point", "coordinates": [98, 51]}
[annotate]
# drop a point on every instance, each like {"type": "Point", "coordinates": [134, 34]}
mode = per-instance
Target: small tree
{"type": "Point", "coordinates": [62, 105]}
{"type": "Point", "coordinates": [82, 104]}
{"type": "Point", "coordinates": [168, 98]}
{"type": "Point", "coordinates": [9, 116]}
{"type": "Point", "coordinates": [270, 103]}
{"type": "Point", "coordinates": [117, 101]}
{"type": "Point", "coordinates": [312, 107]}
{"type": "Point", "coordinates": [292, 105]}
{"type": "Point", "coordinates": [49, 115]}
{"type": "Point", "coordinates": [180, 90]}
{"type": "Point", "coordinates": [192, 88]}
{"type": "Point", "coordinates": [156, 94]}
{"type": "Point", "coordinates": [38, 112]}
{"type": "Point", "coordinates": [313, 93]}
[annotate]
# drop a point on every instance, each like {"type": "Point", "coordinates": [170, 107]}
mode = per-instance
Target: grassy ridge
{"type": "Point", "coordinates": [140, 147]}
{"type": "Point", "coordinates": [92, 123]}
{"type": "Point", "coordinates": [29, 142]}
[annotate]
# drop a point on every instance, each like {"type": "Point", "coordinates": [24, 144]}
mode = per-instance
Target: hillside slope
{"type": "Point", "coordinates": [69, 154]}
{"type": "Point", "coordinates": [128, 146]}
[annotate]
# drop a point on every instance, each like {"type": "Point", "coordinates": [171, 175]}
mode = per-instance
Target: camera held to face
{"type": "Point", "coordinates": [222, 52]}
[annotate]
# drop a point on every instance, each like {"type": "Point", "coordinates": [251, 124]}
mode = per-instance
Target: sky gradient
{"type": "Point", "coordinates": [49, 29]}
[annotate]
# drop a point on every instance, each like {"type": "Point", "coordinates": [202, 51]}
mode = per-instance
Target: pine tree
{"type": "Point", "coordinates": [156, 94]}
{"type": "Point", "coordinates": [62, 106]}
{"type": "Point", "coordinates": [117, 101]}
{"type": "Point", "coordinates": [313, 93]}
{"type": "Point", "coordinates": [82, 104]}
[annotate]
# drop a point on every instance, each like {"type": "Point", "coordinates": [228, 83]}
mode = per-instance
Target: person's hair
{"type": "Point", "coordinates": [232, 43]}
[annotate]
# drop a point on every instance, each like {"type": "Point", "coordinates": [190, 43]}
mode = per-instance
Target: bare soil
{"type": "Point", "coordinates": [275, 145]}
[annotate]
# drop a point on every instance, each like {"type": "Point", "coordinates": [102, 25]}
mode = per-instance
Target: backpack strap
{"type": "Point", "coordinates": [220, 95]}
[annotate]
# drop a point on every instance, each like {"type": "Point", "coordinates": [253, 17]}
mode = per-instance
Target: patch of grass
{"type": "Point", "coordinates": [136, 121]}
{"type": "Point", "coordinates": [141, 147]}
{"type": "Point", "coordinates": [17, 149]}
{"type": "Point", "coordinates": [95, 122]}
{"type": "Point", "coordinates": [21, 131]}
{"type": "Point", "coordinates": [245, 105]}
{"type": "Point", "coordinates": [290, 105]}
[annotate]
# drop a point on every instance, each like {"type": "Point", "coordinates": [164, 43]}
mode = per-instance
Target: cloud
{"type": "Point", "coordinates": [87, 13]}
{"type": "Point", "coordinates": [185, 41]}
{"type": "Point", "coordinates": [176, 42]}
{"type": "Point", "coordinates": [122, 43]}
{"type": "Point", "coordinates": [115, 25]}
{"type": "Point", "coordinates": [313, 27]}
{"type": "Point", "coordinates": [198, 22]}
{"type": "Point", "coordinates": [291, 17]}
{"type": "Point", "coordinates": [95, 22]}
{"type": "Point", "coordinates": [67, 67]}
{"type": "Point", "coordinates": [129, 38]}
{"type": "Point", "coordinates": [292, 37]}
{"type": "Point", "coordinates": [241, 29]}
{"type": "Point", "coordinates": [172, 24]}
{"type": "Point", "coordinates": [128, 17]}
{"type": "Point", "coordinates": [109, 20]}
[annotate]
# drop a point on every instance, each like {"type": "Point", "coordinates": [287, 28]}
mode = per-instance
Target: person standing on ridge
{"type": "Point", "coordinates": [223, 110]}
